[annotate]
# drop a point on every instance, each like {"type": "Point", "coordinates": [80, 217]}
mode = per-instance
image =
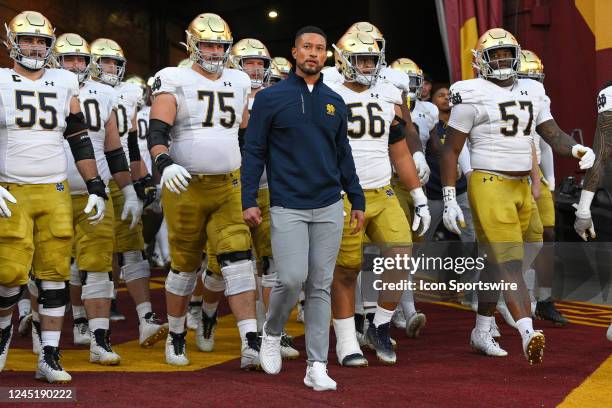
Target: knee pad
{"type": "Point", "coordinates": [212, 282]}
{"type": "Point", "coordinates": [52, 295]}
{"type": "Point", "coordinates": [181, 283]}
{"type": "Point", "coordinates": [97, 285]}
{"type": "Point", "coordinates": [238, 276]}
{"type": "Point", "coordinates": [10, 296]}
{"type": "Point", "coordinates": [268, 280]}
{"type": "Point", "coordinates": [75, 276]}
{"type": "Point", "coordinates": [133, 266]}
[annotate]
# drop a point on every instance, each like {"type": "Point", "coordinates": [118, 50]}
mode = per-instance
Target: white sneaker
{"type": "Point", "coordinates": [175, 349]}
{"type": "Point", "coordinates": [505, 312]}
{"type": "Point", "coordinates": [80, 332]}
{"type": "Point", "coordinates": [194, 315]}
{"type": "Point", "coordinates": [36, 337]}
{"type": "Point", "coordinates": [398, 319]}
{"type": "Point", "coordinates": [495, 333]}
{"type": "Point", "coordinates": [249, 355]}
{"type": "Point", "coordinates": [49, 368]}
{"type": "Point", "coordinates": [288, 350]}
{"type": "Point", "coordinates": [415, 324]}
{"type": "Point", "coordinates": [533, 347]}
{"type": "Point", "coordinates": [270, 352]}
{"type": "Point", "coordinates": [205, 332]}
{"type": "Point", "coordinates": [609, 333]}
{"type": "Point", "coordinates": [100, 350]}
{"type": "Point", "coordinates": [5, 341]}
{"type": "Point", "coordinates": [484, 343]}
{"type": "Point", "coordinates": [317, 378]}
{"type": "Point", "coordinates": [151, 330]}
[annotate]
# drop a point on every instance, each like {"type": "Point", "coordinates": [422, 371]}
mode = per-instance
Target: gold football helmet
{"type": "Point", "coordinates": [500, 68]}
{"type": "Point", "coordinates": [531, 66]}
{"type": "Point", "coordinates": [186, 63]}
{"type": "Point", "coordinates": [107, 73]}
{"type": "Point", "coordinates": [208, 28]}
{"type": "Point", "coordinates": [275, 75]}
{"type": "Point", "coordinates": [72, 45]}
{"type": "Point", "coordinates": [365, 27]}
{"type": "Point", "coordinates": [34, 24]}
{"type": "Point", "coordinates": [250, 48]}
{"type": "Point", "coordinates": [350, 49]}
{"type": "Point", "coordinates": [283, 65]}
{"type": "Point", "coordinates": [410, 68]}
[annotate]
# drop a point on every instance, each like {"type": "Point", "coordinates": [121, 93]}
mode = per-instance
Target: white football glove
{"type": "Point", "coordinates": [132, 205]}
{"type": "Point", "coordinates": [5, 212]}
{"type": "Point", "coordinates": [452, 211]}
{"type": "Point", "coordinates": [422, 167]}
{"type": "Point", "coordinates": [585, 154]}
{"type": "Point", "coordinates": [98, 202]}
{"type": "Point", "coordinates": [422, 218]}
{"type": "Point", "coordinates": [175, 178]}
{"type": "Point", "coordinates": [584, 222]}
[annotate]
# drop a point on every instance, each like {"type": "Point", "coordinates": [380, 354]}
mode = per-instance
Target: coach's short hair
{"type": "Point", "coordinates": [310, 30]}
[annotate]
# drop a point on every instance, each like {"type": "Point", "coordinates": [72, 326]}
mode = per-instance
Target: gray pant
{"type": "Point", "coordinates": [305, 245]}
{"type": "Point", "coordinates": [436, 209]}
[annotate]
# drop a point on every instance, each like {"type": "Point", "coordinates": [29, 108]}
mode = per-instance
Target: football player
{"type": "Point", "coordinates": [91, 275]}
{"type": "Point", "coordinates": [499, 113]}
{"type": "Point", "coordinates": [203, 108]}
{"type": "Point", "coordinates": [108, 67]}
{"type": "Point", "coordinates": [375, 132]}
{"type": "Point", "coordinates": [283, 66]}
{"type": "Point", "coordinates": [41, 105]}
{"type": "Point", "coordinates": [603, 141]}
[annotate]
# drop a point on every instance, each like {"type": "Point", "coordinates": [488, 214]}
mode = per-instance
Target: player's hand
{"type": "Point", "coordinates": [422, 167]}
{"type": "Point", "coordinates": [357, 219]}
{"type": "Point", "coordinates": [132, 205]}
{"type": "Point", "coordinates": [585, 154]}
{"type": "Point", "coordinates": [5, 212]}
{"type": "Point", "coordinates": [145, 190]}
{"type": "Point", "coordinates": [175, 178]}
{"type": "Point", "coordinates": [452, 211]}
{"type": "Point", "coordinates": [97, 202]}
{"type": "Point", "coordinates": [422, 218]}
{"type": "Point", "coordinates": [584, 224]}
{"type": "Point", "coordinates": [252, 216]}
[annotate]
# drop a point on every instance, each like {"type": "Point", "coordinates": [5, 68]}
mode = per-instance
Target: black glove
{"type": "Point", "coordinates": [96, 186]}
{"type": "Point", "coordinates": [146, 190]}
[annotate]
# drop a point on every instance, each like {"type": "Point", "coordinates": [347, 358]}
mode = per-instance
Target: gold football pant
{"type": "Point", "coordinates": [261, 233]}
{"type": "Point", "coordinates": [126, 239]}
{"type": "Point", "coordinates": [38, 235]}
{"type": "Point", "coordinates": [406, 202]}
{"type": "Point", "coordinates": [210, 210]}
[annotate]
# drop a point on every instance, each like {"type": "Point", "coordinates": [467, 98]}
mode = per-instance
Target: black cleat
{"type": "Point", "coordinates": [547, 311]}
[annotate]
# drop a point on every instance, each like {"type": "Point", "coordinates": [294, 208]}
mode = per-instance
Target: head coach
{"type": "Point", "coordinates": [298, 130]}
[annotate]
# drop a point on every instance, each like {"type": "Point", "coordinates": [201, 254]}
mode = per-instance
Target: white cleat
{"type": "Point", "coordinates": [415, 324]}
{"type": "Point", "coordinates": [80, 332]}
{"type": "Point", "coordinates": [249, 355]}
{"type": "Point", "coordinates": [495, 333]}
{"type": "Point", "coordinates": [288, 350]}
{"type": "Point", "coordinates": [194, 315]}
{"type": "Point", "coordinates": [36, 340]}
{"type": "Point", "coordinates": [5, 341]}
{"type": "Point", "coordinates": [49, 367]}
{"type": "Point", "coordinates": [175, 349]}
{"type": "Point", "coordinates": [398, 319]}
{"type": "Point", "coordinates": [25, 324]}
{"type": "Point", "coordinates": [533, 347]}
{"type": "Point", "coordinates": [205, 332]}
{"type": "Point", "coordinates": [317, 377]}
{"type": "Point", "coordinates": [100, 351]}
{"type": "Point", "coordinates": [270, 353]}
{"type": "Point", "coordinates": [505, 312]}
{"type": "Point", "coordinates": [151, 330]}
{"type": "Point", "coordinates": [483, 342]}
{"type": "Point", "coordinates": [609, 333]}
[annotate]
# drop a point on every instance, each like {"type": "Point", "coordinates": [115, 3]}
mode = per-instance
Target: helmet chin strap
{"type": "Point", "coordinates": [28, 68]}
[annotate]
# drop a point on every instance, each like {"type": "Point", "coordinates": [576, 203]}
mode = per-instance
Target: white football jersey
{"type": "Point", "coordinates": [32, 123]}
{"type": "Point", "coordinates": [604, 100]}
{"type": "Point", "coordinates": [503, 121]}
{"type": "Point", "coordinates": [142, 123]}
{"type": "Point", "coordinates": [128, 96]}
{"type": "Point", "coordinates": [425, 117]}
{"type": "Point", "coordinates": [208, 116]}
{"type": "Point", "coordinates": [97, 104]}
{"type": "Point", "coordinates": [370, 114]}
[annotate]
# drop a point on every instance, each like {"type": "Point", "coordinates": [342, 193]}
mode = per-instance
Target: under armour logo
{"type": "Point", "coordinates": [91, 91]}
{"type": "Point", "coordinates": [484, 179]}
{"type": "Point", "coordinates": [601, 101]}
{"type": "Point", "coordinates": [49, 83]}
{"type": "Point", "coordinates": [121, 96]}
{"type": "Point", "coordinates": [59, 187]}
{"type": "Point", "coordinates": [373, 95]}
{"type": "Point", "coordinates": [523, 92]}
{"type": "Point", "coordinates": [227, 84]}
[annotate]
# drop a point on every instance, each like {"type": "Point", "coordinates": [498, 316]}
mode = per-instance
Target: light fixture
{"type": "Point", "coordinates": [272, 14]}
{"type": "Point", "coordinates": [329, 54]}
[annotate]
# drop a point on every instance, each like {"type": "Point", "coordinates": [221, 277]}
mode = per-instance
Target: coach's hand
{"type": "Point", "coordinates": [358, 219]}
{"type": "Point", "coordinates": [5, 212]}
{"type": "Point", "coordinates": [252, 216]}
